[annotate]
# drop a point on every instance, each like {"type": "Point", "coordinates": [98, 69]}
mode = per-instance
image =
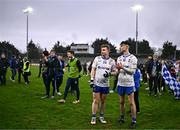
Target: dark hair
{"type": "Point", "coordinates": [125, 42]}
{"type": "Point", "coordinates": [105, 45]}
{"type": "Point", "coordinates": [45, 52]}
{"type": "Point", "coordinates": [71, 51]}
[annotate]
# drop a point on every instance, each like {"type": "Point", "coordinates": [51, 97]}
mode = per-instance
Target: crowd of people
{"type": "Point", "coordinates": [16, 65]}
{"type": "Point", "coordinates": [152, 74]}
{"type": "Point", "coordinates": [128, 79]}
{"type": "Point", "coordinates": [53, 72]}
{"type": "Point", "coordinates": [125, 69]}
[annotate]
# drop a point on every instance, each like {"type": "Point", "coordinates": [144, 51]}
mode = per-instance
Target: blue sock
{"type": "Point", "coordinates": [134, 119]}
{"type": "Point", "coordinates": [93, 115]}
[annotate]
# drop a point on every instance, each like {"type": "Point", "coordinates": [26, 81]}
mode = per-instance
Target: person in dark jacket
{"type": "Point", "coordinates": [154, 71]}
{"type": "Point", "coordinates": [144, 73]}
{"type": "Point", "coordinates": [13, 65]}
{"type": "Point", "coordinates": [58, 79]}
{"type": "Point", "coordinates": [19, 68]}
{"type": "Point", "coordinates": [3, 68]}
{"type": "Point", "coordinates": [52, 65]}
{"type": "Point", "coordinates": [45, 72]}
{"type": "Point", "coordinates": [137, 78]}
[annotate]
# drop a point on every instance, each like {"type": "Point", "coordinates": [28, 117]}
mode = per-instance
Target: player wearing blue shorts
{"type": "Point", "coordinates": [102, 67]}
{"type": "Point", "coordinates": [126, 65]}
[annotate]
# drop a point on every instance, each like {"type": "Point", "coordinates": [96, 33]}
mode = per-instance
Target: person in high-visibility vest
{"type": "Point", "coordinates": [74, 69]}
{"type": "Point", "coordinates": [26, 70]}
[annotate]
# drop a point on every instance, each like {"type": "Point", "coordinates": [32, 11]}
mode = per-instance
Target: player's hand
{"type": "Point", "coordinates": [119, 66]}
{"type": "Point", "coordinates": [91, 83]}
{"type": "Point", "coordinates": [106, 75]}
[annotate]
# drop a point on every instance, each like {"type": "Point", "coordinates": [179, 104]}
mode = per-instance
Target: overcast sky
{"type": "Point", "coordinates": [82, 21]}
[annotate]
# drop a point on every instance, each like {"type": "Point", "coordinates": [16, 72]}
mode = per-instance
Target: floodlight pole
{"type": "Point", "coordinates": [27, 11]}
{"type": "Point", "coordinates": [137, 8]}
{"type": "Point", "coordinates": [27, 32]}
{"type": "Point", "coordinates": [136, 32]}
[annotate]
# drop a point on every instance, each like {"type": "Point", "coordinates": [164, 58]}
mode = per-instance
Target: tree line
{"type": "Point", "coordinates": [35, 50]}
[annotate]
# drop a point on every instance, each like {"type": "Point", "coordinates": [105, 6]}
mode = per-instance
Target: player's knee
{"type": "Point", "coordinates": [96, 101]}
{"type": "Point", "coordinates": [131, 103]}
{"type": "Point", "coordinates": [121, 102]}
{"type": "Point", "coordinates": [102, 101]}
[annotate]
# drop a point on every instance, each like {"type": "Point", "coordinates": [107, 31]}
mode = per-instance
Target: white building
{"type": "Point", "coordinates": [82, 48]}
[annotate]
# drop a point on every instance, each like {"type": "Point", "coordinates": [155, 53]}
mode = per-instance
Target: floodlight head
{"type": "Point", "coordinates": [137, 7]}
{"type": "Point", "coordinates": [28, 10]}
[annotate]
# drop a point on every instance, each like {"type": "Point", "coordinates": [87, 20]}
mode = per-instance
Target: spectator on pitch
{"type": "Point", "coordinates": [149, 60]}
{"type": "Point", "coordinates": [173, 71]}
{"type": "Point", "coordinates": [26, 70]}
{"type": "Point", "coordinates": [45, 72]}
{"type": "Point", "coordinates": [74, 69]}
{"type": "Point", "coordinates": [178, 69]}
{"type": "Point", "coordinates": [59, 72]}
{"type": "Point", "coordinates": [19, 68]}
{"type": "Point", "coordinates": [52, 65]}
{"type": "Point", "coordinates": [154, 71]}
{"type": "Point", "coordinates": [161, 79]}
{"type": "Point", "coordinates": [144, 73]}
{"type": "Point", "coordinates": [137, 78]}
{"type": "Point", "coordinates": [13, 65]}
{"type": "Point", "coordinates": [3, 68]}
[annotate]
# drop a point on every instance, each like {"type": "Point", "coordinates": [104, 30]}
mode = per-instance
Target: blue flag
{"type": "Point", "coordinates": [171, 82]}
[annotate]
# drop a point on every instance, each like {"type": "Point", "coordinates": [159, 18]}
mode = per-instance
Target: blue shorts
{"type": "Point", "coordinates": [125, 90]}
{"type": "Point", "coordinates": [103, 90]}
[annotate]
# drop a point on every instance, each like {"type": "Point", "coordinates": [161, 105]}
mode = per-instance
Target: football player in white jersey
{"type": "Point", "coordinates": [103, 66]}
{"type": "Point", "coordinates": [126, 65]}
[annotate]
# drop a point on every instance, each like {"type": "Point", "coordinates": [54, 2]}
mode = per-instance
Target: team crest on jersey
{"type": "Point", "coordinates": [104, 62]}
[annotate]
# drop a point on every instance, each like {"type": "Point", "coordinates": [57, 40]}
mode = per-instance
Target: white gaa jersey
{"type": "Point", "coordinates": [102, 65]}
{"type": "Point", "coordinates": [129, 62]}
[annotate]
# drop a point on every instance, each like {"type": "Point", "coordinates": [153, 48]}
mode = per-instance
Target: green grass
{"type": "Point", "coordinates": [22, 108]}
